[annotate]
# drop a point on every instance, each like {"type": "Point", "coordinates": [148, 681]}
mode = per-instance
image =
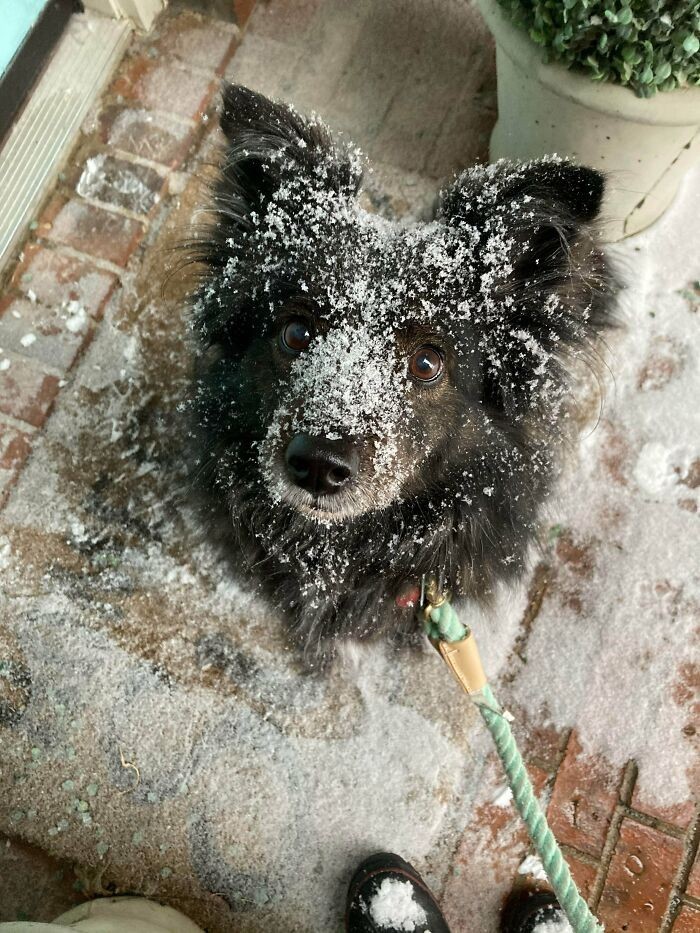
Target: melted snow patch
{"type": "Point", "coordinates": [99, 178]}
{"type": "Point", "coordinates": [393, 906]}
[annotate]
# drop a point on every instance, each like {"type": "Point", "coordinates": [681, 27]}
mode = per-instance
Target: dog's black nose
{"type": "Point", "coordinates": [320, 466]}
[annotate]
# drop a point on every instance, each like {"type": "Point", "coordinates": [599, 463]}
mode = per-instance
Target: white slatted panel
{"type": "Point", "coordinates": [42, 137]}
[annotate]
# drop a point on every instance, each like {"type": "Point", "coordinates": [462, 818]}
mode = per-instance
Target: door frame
{"type": "Point", "coordinates": [142, 13]}
{"type": "Point", "coordinates": [31, 57]}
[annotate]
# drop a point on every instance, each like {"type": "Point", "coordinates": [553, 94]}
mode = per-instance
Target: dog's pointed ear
{"type": "Point", "coordinates": [544, 284]}
{"type": "Point", "coordinates": [541, 207]}
{"type": "Point", "coordinates": [577, 188]}
{"type": "Point", "coordinates": [268, 142]}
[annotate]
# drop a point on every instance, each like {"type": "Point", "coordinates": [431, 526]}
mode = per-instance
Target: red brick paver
{"type": "Point", "coordinates": [116, 182]}
{"type": "Point", "coordinates": [679, 815]}
{"type": "Point", "coordinates": [687, 921]}
{"type": "Point", "coordinates": [583, 800]}
{"type": "Point", "coordinates": [26, 391]}
{"type": "Point", "coordinates": [50, 335]}
{"type": "Point", "coordinates": [198, 43]}
{"type": "Point", "coordinates": [56, 278]}
{"type": "Point", "coordinates": [285, 20]}
{"type": "Point", "coordinates": [153, 136]}
{"type": "Point", "coordinates": [640, 878]}
{"type": "Point", "coordinates": [95, 231]}
{"type": "Point", "coordinates": [165, 86]}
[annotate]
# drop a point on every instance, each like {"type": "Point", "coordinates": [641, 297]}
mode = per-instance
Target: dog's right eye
{"type": "Point", "coordinates": [426, 364]}
{"type": "Point", "coordinates": [295, 336]}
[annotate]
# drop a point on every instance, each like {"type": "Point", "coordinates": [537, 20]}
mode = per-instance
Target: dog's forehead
{"type": "Point", "coordinates": [355, 263]}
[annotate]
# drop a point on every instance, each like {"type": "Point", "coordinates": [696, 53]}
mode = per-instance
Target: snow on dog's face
{"type": "Point", "coordinates": [361, 374]}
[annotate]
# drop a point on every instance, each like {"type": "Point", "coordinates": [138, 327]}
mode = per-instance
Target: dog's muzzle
{"type": "Point", "coordinates": [320, 466]}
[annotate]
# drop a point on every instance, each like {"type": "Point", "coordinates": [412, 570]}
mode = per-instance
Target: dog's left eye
{"type": "Point", "coordinates": [426, 364]}
{"type": "Point", "coordinates": [295, 336]}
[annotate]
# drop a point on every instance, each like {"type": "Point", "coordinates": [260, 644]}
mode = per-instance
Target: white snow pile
{"type": "Point", "coordinates": [504, 798]}
{"type": "Point", "coordinates": [558, 925]}
{"type": "Point", "coordinates": [77, 319]}
{"type": "Point", "coordinates": [532, 866]}
{"type": "Point", "coordinates": [394, 907]}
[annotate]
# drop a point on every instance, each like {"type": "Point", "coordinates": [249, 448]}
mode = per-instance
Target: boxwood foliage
{"type": "Point", "coordinates": [648, 45]}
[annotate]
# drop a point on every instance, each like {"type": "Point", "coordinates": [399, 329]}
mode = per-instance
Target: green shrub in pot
{"type": "Point", "coordinates": [647, 45]}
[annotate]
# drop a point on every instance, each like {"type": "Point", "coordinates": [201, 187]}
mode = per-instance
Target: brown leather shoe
{"type": "Point", "coordinates": [387, 895]}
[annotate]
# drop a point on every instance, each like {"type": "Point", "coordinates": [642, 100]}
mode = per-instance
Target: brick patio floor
{"type": "Point", "coordinates": [412, 83]}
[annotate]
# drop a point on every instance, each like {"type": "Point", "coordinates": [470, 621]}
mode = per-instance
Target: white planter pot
{"type": "Point", "coordinates": [645, 145]}
{"type": "Point", "coordinates": [112, 915]}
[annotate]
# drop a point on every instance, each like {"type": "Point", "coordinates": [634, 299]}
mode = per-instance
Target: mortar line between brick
{"type": "Point", "coordinates": [88, 258]}
{"type": "Point", "coordinates": [18, 424]}
{"type": "Point", "coordinates": [584, 857]}
{"type": "Point", "coordinates": [638, 816]}
{"type": "Point", "coordinates": [115, 209]}
{"type": "Point", "coordinates": [233, 46]}
{"type": "Point", "coordinates": [545, 765]}
{"type": "Point", "coordinates": [692, 841]}
{"type": "Point", "coordinates": [163, 170]}
{"type": "Point", "coordinates": [691, 901]}
{"type": "Point", "coordinates": [563, 745]}
{"type": "Point", "coordinates": [627, 786]}
{"type": "Point", "coordinates": [46, 368]}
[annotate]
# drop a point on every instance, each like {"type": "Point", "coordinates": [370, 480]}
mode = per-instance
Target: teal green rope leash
{"type": "Point", "coordinates": [457, 647]}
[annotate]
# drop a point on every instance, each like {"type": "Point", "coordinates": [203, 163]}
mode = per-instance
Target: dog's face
{"type": "Point", "coordinates": [363, 357]}
{"type": "Point", "coordinates": [354, 365]}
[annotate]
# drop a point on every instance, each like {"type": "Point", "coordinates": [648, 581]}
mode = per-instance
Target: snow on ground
{"type": "Point", "coordinates": [610, 649]}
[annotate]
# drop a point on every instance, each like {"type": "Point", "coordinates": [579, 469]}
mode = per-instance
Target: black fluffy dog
{"type": "Point", "coordinates": [379, 401]}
